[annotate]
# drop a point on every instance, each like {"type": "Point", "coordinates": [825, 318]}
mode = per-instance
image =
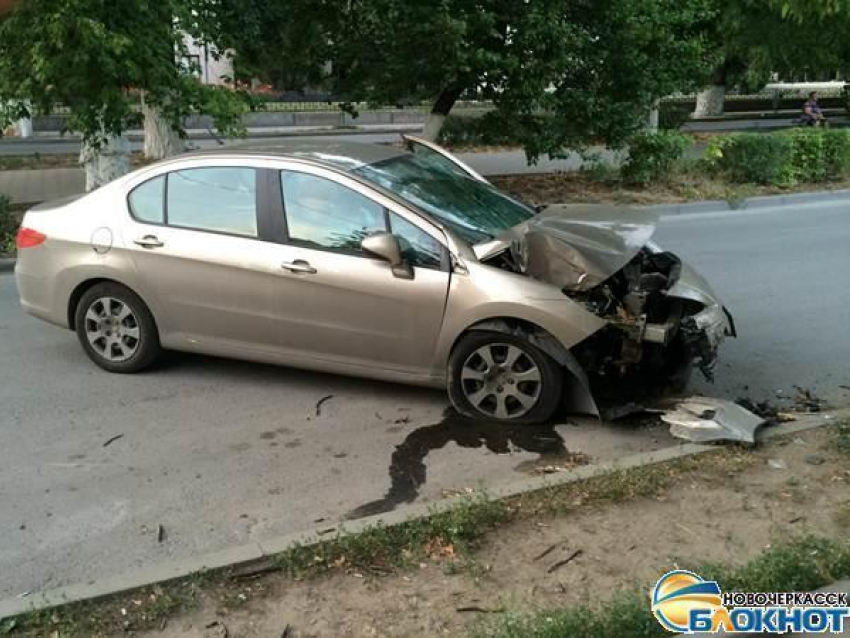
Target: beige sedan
{"type": "Point", "coordinates": [403, 265]}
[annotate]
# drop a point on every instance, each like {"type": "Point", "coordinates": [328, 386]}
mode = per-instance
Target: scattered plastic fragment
{"type": "Point", "coordinates": [704, 419]}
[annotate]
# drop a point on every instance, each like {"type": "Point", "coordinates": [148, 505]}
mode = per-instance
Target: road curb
{"type": "Point", "coordinates": [762, 201]}
{"type": "Point", "coordinates": [7, 264]}
{"type": "Point", "coordinates": [255, 551]}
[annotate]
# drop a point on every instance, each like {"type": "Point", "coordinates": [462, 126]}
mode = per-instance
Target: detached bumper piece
{"type": "Point", "coordinates": [703, 420]}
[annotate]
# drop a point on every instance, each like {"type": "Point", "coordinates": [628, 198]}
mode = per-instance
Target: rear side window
{"type": "Point", "coordinates": [146, 201]}
{"type": "Point", "coordinates": [215, 199]}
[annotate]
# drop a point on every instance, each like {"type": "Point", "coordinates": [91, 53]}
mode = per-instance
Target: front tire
{"type": "Point", "coordinates": [503, 378]}
{"type": "Point", "coordinates": [116, 329]}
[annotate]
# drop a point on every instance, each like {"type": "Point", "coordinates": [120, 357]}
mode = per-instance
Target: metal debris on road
{"type": "Point", "coordinates": [112, 440]}
{"type": "Point", "coordinates": [766, 410]}
{"type": "Point", "coordinates": [321, 402]}
{"type": "Point", "coordinates": [567, 560]}
{"type": "Point", "coordinates": [806, 401]}
{"type": "Point", "coordinates": [705, 419]}
{"type": "Point", "coordinates": [160, 533]}
{"type": "Point", "coordinates": [777, 464]}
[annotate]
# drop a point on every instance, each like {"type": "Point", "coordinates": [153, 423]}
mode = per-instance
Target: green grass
{"type": "Point", "coordinates": [800, 565]}
{"type": "Point", "coordinates": [382, 549]}
{"type": "Point", "coordinates": [143, 609]}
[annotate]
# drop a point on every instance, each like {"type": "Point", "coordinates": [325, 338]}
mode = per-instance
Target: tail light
{"type": "Point", "coordinates": [27, 238]}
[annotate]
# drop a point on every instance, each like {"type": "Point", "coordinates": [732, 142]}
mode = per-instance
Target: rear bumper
{"type": "Point", "coordinates": [37, 297]}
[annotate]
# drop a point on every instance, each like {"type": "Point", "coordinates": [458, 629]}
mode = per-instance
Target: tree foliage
{"type": "Point", "coordinates": [598, 65]}
{"type": "Point", "coordinates": [757, 38]}
{"type": "Point", "coordinates": [92, 56]}
{"type": "Point", "coordinates": [808, 10]}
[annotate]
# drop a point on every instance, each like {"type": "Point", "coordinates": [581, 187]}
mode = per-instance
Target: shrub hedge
{"type": "Point", "coordinates": [781, 159]}
{"type": "Point", "coordinates": [653, 155]}
{"type": "Point", "coordinates": [8, 225]}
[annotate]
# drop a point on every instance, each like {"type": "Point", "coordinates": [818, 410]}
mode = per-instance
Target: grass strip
{"type": "Point", "coordinates": [800, 565]}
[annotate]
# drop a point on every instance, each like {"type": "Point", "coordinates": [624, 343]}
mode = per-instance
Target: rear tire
{"type": "Point", "coordinates": [504, 379]}
{"type": "Point", "coordinates": [116, 328]}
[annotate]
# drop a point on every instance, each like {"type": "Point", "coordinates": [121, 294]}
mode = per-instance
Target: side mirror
{"type": "Point", "coordinates": [387, 247]}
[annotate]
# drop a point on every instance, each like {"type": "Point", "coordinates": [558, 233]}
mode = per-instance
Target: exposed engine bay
{"type": "Point", "coordinates": [655, 333]}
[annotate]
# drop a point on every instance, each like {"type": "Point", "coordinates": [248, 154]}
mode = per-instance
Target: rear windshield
{"type": "Point", "coordinates": [474, 210]}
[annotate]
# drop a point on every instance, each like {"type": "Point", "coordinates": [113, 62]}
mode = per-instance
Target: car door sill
{"type": "Point", "coordinates": [297, 360]}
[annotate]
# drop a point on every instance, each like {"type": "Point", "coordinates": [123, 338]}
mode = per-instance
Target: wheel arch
{"type": "Point", "coordinates": [84, 286]}
{"type": "Point", "coordinates": [578, 395]}
{"type": "Point", "coordinates": [523, 328]}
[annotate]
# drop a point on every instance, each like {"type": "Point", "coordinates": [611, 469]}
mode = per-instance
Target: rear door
{"type": "Point", "coordinates": [336, 303]}
{"type": "Point", "coordinates": [195, 240]}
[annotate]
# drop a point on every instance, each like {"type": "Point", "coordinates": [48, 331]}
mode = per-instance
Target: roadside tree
{"type": "Point", "coordinates": [755, 39]}
{"type": "Point", "coordinates": [563, 74]}
{"type": "Point", "coordinates": [95, 59]}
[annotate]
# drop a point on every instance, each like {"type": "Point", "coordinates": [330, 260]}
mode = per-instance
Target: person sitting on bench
{"type": "Point", "coordinates": [812, 113]}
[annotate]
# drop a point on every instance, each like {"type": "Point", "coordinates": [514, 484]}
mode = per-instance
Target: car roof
{"type": "Point", "coordinates": [339, 154]}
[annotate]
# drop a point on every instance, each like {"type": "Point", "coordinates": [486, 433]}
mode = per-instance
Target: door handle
{"type": "Point", "coordinates": [149, 241]}
{"type": "Point", "coordinates": [299, 266]}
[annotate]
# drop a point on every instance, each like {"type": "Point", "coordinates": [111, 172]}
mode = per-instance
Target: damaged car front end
{"type": "Point", "coordinates": [661, 318]}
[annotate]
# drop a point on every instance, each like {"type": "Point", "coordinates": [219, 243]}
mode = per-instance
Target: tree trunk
{"type": "Point", "coordinates": [442, 106]}
{"type": "Point", "coordinates": [24, 124]}
{"type": "Point", "coordinates": [106, 162]}
{"type": "Point", "coordinates": [161, 140]}
{"type": "Point", "coordinates": [710, 100]}
{"type": "Point", "coordinates": [652, 120]}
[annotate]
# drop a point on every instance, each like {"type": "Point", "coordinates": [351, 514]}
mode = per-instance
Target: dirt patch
{"type": "Point", "coordinates": [587, 186]}
{"type": "Point", "coordinates": [726, 508]}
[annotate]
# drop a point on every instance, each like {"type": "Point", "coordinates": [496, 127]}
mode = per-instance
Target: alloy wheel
{"type": "Point", "coordinates": [501, 380]}
{"type": "Point", "coordinates": [112, 329]}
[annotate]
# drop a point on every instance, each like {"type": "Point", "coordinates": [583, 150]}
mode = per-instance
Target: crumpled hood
{"type": "Point", "coordinates": [576, 246]}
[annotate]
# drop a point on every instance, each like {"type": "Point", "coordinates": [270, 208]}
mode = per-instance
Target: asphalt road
{"type": "Point", "coordinates": [222, 453]}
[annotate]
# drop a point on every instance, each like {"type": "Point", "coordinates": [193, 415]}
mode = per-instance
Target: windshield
{"type": "Point", "coordinates": [474, 210]}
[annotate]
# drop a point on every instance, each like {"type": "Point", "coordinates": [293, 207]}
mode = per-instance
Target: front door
{"type": "Point", "coordinates": [336, 303]}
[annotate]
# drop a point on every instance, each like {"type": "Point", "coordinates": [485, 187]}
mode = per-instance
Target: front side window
{"type": "Point", "coordinates": [215, 199]}
{"type": "Point", "coordinates": [321, 213]}
{"type": "Point", "coordinates": [147, 203]}
{"type": "Point", "coordinates": [417, 246]}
